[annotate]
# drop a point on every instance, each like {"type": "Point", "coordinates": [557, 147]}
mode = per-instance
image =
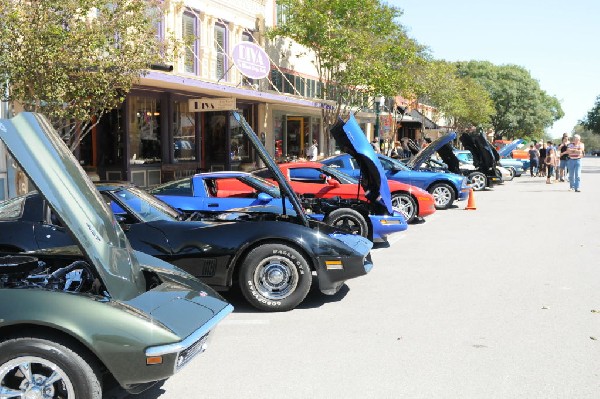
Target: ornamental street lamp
{"type": "Point", "coordinates": [378, 104]}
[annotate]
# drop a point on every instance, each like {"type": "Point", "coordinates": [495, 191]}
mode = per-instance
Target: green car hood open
{"type": "Point", "coordinates": [53, 169]}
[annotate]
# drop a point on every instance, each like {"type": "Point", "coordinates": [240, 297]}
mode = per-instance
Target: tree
{"type": "Point", "coordinates": [73, 60]}
{"type": "Point", "coordinates": [592, 120]}
{"type": "Point", "coordinates": [359, 49]}
{"type": "Point", "coordinates": [462, 101]}
{"type": "Point", "coordinates": [523, 109]}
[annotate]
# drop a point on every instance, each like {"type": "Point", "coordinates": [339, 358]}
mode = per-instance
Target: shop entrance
{"type": "Point", "coordinates": [295, 136]}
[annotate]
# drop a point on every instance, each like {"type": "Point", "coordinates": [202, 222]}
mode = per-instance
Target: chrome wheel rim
{"type": "Point", "coordinates": [403, 205]}
{"type": "Point", "coordinates": [441, 196]}
{"type": "Point", "coordinates": [276, 277]}
{"type": "Point", "coordinates": [348, 223]}
{"type": "Point", "coordinates": [32, 377]}
{"type": "Point", "coordinates": [478, 182]}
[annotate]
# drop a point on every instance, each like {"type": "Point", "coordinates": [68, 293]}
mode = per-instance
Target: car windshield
{"type": "Point", "coordinates": [145, 206]}
{"type": "Point", "coordinates": [12, 208]}
{"type": "Point", "coordinates": [391, 163]}
{"type": "Point", "coordinates": [261, 185]}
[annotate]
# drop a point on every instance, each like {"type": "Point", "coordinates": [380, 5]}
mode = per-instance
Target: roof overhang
{"type": "Point", "coordinates": [191, 85]}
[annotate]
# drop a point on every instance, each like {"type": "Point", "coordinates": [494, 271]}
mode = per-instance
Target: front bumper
{"type": "Point", "coordinates": [333, 271]}
{"type": "Point", "coordinates": [384, 225]}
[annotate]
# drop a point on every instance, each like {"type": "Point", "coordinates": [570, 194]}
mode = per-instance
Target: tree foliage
{"type": "Point", "coordinates": [358, 47]}
{"type": "Point", "coordinates": [592, 120]}
{"type": "Point", "coordinates": [73, 60]}
{"type": "Point", "coordinates": [462, 101]}
{"type": "Point", "coordinates": [522, 108]}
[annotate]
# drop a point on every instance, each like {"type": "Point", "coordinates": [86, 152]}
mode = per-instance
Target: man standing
{"type": "Point", "coordinates": [312, 151]}
{"type": "Point", "coordinates": [575, 150]}
{"type": "Point", "coordinates": [534, 158]}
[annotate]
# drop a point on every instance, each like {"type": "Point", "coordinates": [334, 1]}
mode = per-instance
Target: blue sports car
{"type": "Point", "coordinates": [445, 187]}
{"type": "Point", "coordinates": [223, 191]}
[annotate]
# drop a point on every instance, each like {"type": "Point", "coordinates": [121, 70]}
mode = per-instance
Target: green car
{"type": "Point", "coordinates": [71, 317]}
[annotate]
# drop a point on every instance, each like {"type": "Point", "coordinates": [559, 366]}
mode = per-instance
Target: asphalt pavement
{"type": "Point", "coordinates": [498, 302]}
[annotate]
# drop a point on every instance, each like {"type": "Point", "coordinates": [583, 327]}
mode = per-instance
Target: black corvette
{"type": "Point", "coordinates": [271, 256]}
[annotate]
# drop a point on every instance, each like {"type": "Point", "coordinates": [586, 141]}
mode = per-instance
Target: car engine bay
{"type": "Point", "coordinates": [20, 271]}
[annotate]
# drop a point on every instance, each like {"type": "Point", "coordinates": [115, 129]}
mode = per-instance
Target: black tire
{"type": "Point", "coordinates": [350, 220]}
{"type": "Point", "coordinates": [78, 377]}
{"type": "Point", "coordinates": [275, 277]}
{"type": "Point", "coordinates": [406, 205]}
{"type": "Point", "coordinates": [477, 181]}
{"type": "Point", "coordinates": [443, 195]}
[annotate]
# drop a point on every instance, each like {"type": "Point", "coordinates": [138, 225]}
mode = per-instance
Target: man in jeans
{"type": "Point", "coordinates": [575, 150]}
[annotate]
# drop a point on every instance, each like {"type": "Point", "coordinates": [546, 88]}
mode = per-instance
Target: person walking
{"type": "Point", "coordinates": [550, 161]}
{"type": "Point", "coordinates": [563, 157]}
{"type": "Point", "coordinates": [575, 150]}
{"type": "Point", "coordinates": [534, 158]}
{"type": "Point", "coordinates": [312, 152]}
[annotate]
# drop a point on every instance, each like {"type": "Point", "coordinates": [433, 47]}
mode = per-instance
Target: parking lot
{"type": "Point", "coordinates": [499, 302]}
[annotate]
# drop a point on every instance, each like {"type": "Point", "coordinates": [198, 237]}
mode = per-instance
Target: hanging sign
{"type": "Point", "coordinates": [211, 104]}
{"type": "Point", "coordinates": [251, 60]}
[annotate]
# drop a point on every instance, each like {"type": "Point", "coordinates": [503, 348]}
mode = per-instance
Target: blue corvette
{"type": "Point", "coordinates": [445, 187]}
{"type": "Point", "coordinates": [223, 191]}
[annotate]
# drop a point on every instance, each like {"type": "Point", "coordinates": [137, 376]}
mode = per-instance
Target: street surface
{"type": "Point", "coordinates": [500, 302]}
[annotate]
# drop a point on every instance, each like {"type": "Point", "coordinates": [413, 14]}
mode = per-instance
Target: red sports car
{"type": "Point", "coordinates": [320, 181]}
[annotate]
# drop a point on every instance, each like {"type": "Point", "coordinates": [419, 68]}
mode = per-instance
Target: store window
{"type": "Point", "coordinates": [190, 39]}
{"type": "Point", "coordinates": [184, 133]}
{"type": "Point", "coordinates": [241, 148]}
{"type": "Point", "coordinates": [144, 130]}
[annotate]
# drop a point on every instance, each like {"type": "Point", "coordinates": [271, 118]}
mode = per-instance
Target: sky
{"type": "Point", "coordinates": [558, 42]}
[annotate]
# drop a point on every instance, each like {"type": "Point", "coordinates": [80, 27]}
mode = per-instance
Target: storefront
{"type": "Point", "coordinates": [155, 137]}
{"type": "Point", "coordinates": [293, 133]}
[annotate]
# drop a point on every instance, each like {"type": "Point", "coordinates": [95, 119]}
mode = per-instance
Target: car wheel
{"type": "Point", "coordinates": [406, 205]}
{"type": "Point", "coordinates": [512, 174]}
{"type": "Point", "coordinates": [443, 195]}
{"type": "Point", "coordinates": [350, 220]}
{"type": "Point", "coordinates": [275, 277]}
{"type": "Point", "coordinates": [38, 368]}
{"type": "Point", "coordinates": [477, 180]}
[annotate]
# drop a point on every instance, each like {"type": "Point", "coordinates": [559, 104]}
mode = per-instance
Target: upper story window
{"type": "Point", "coordinates": [221, 52]}
{"type": "Point", "coordinates": [190, 38]}
{"type": "Point", "coordinates": [281, 14]}
{"type": "Point", "coordinates": [247, 37]}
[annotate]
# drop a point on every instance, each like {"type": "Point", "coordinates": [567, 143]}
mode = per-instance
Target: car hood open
{"type": "Point", "coordinates": [53, 169]}
{"type": "Point", "coordinates": [507, 149]}
{"type": "Point", "coordinates": [485, 156]}
{"type": "Point", "coordinates": [350, 136]}
{"type": "Point", "coordinates": [443, 147]}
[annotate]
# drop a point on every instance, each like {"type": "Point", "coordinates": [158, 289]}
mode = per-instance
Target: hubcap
{"type": "Point", "coordinates": [349, 224]}
{"type": "Point", "coordinates": [441, 196]}
{"type": "Point", "coordinates": [478, 182]}
{"type": "Point", "coordinates": [32, 377]}
{"type": "Point", "coordinates": [404, 206]}
{"type": "Point", "coordinates": [276, 277]}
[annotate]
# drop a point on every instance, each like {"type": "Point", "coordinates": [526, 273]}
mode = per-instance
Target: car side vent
{"type": "Point", "coordinates": [208, 267]}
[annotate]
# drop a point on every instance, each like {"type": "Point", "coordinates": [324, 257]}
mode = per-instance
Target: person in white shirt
{"type": "Point", "coordinates": [312, 151]}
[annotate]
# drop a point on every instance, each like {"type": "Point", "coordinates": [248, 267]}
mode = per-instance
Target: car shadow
{"type": "Point", "coordinates": [314, 299]}
{"type": "Point", "coordinates": [116, 392]}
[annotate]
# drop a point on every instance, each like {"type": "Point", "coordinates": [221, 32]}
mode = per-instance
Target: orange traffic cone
{"type": "Point", "coordinates": [471, 201]}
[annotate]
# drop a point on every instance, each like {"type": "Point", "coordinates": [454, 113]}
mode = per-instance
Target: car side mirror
{"type": "Point", "coordinates": [264, 197]}
{"type": "Point", "coordinates": [120, 219]}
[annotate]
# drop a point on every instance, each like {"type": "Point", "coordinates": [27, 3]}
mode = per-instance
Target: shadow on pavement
{"type": "Point", "coordinates": [314, 299]}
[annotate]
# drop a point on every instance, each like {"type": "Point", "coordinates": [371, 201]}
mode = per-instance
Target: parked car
{"type": "Point", "coordinates": [518, 166]}
{"type": "Point", "coordinates": [270, 256]}
{"type": "Point", "coordinates": [443, 186]}
{"type": "Point", "coordinates": [71, 316]}
{"type": "Point", "coordinates": [219, 191]}
{"type": "Point", "coordinates": [485, 158]}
